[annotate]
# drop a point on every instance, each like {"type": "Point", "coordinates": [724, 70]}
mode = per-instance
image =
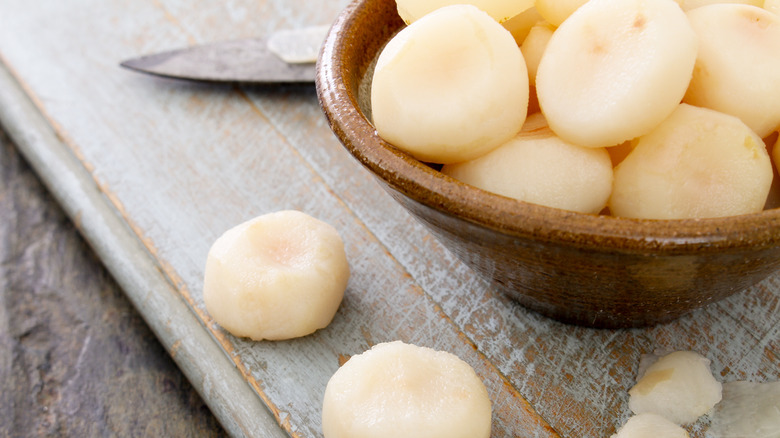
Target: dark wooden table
{"type": "Point", "coordinates": [76, 359]}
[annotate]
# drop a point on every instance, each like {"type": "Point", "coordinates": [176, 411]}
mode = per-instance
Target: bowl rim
{"type": "Point", "coordinates": [338, 99]}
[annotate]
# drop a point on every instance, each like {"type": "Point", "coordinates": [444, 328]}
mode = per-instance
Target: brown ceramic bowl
{"type": "Point", "coordinates": [585, 269]}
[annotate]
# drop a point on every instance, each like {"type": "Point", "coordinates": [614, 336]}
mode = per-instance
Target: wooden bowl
{"type": "Point", "coordinates": [590, 270]}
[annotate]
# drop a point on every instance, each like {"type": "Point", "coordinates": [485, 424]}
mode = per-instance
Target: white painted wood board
{"type": "Point", "coordinates": [168, 166]}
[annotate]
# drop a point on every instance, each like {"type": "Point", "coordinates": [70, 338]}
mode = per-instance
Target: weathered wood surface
{"type": "Point", "coordinates": [180, 163]}
{"type": "Point", "coordinates": [76, 359]}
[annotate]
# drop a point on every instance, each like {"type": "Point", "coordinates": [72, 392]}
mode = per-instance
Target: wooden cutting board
{"type": "Point", "coordinates": [153, 170]}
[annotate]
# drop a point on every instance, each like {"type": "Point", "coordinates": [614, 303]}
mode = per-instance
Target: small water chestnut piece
{"type": "Point", "coordinates": [650, 426]}
{"type": "Point", "coordinates": [738, 63]}
{"type": "Point", "coordinates": [501, 10]}
{"type": "Point", "coordinates": [538, 166]}
{"type": "Point", "coordinates": [403, 390]}
{"type": "Point", "coordinates": [633, 61]}
{"type": "Point", "coordinates": [698, 163]}
{"type": "Point", "coordinates": [451, 86]}
{"type": "Point", "coordinates": [278, 276]}
{"type": "Point", "coordinates": [678, 386]}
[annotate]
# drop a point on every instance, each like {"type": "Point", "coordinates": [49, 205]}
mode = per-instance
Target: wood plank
{"type": "Point", "coordinates": [227, 393]}
{"type": "Point", "coordinates": [76, 358]}
{"type": "Point", "coordinates": [181, 163]}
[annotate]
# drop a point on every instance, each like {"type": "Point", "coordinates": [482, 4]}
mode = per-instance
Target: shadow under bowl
{"type": "Point", "coordinates": [584, 269]}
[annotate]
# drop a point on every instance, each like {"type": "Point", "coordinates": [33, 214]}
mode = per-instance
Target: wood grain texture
{"type": "Point", "coordinates": [184, 162]}
{"type": "Point", "coordinates": [76, 359]}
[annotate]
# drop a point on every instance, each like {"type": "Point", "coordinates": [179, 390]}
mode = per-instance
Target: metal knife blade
{"type": "Point", "coordinates": [251, 60]}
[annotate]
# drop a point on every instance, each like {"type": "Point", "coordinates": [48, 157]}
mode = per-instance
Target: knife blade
{"type": "Point", "coordinates": [286, 56]}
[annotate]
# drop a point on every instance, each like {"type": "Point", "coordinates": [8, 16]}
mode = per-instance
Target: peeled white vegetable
{"type": "Point", "coordinates": [403, 390]}
{"type": "Point", "coordinates": [772, 6]}
{"type": "Point", "coordinates": [650, 426]}
{"type": "Point", "coordinates": [537, 166]}
{"type": "Point", "coordinates": [687, 5]}
{"type": "Point", "coordinates": [278, 276]}
{"type": "Point", "coordinates": [533, 48]}
{"type": "Point", "coordinates": [748, 409]}
{"type": "Point", "coordinates": [450, 86]}
{"type": "Point", "coordinates": [501, 10]}
{"type": "Point", "coordinates": [738, 65]}
{"type": "Point", "coordinates": [615, 69]}
{"type": "Point", "coordinates": [678, 386]}
{"type": "Point", "coordinates": [698, 163]}
{"type": "Point", "coordinates": [556, 11]}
